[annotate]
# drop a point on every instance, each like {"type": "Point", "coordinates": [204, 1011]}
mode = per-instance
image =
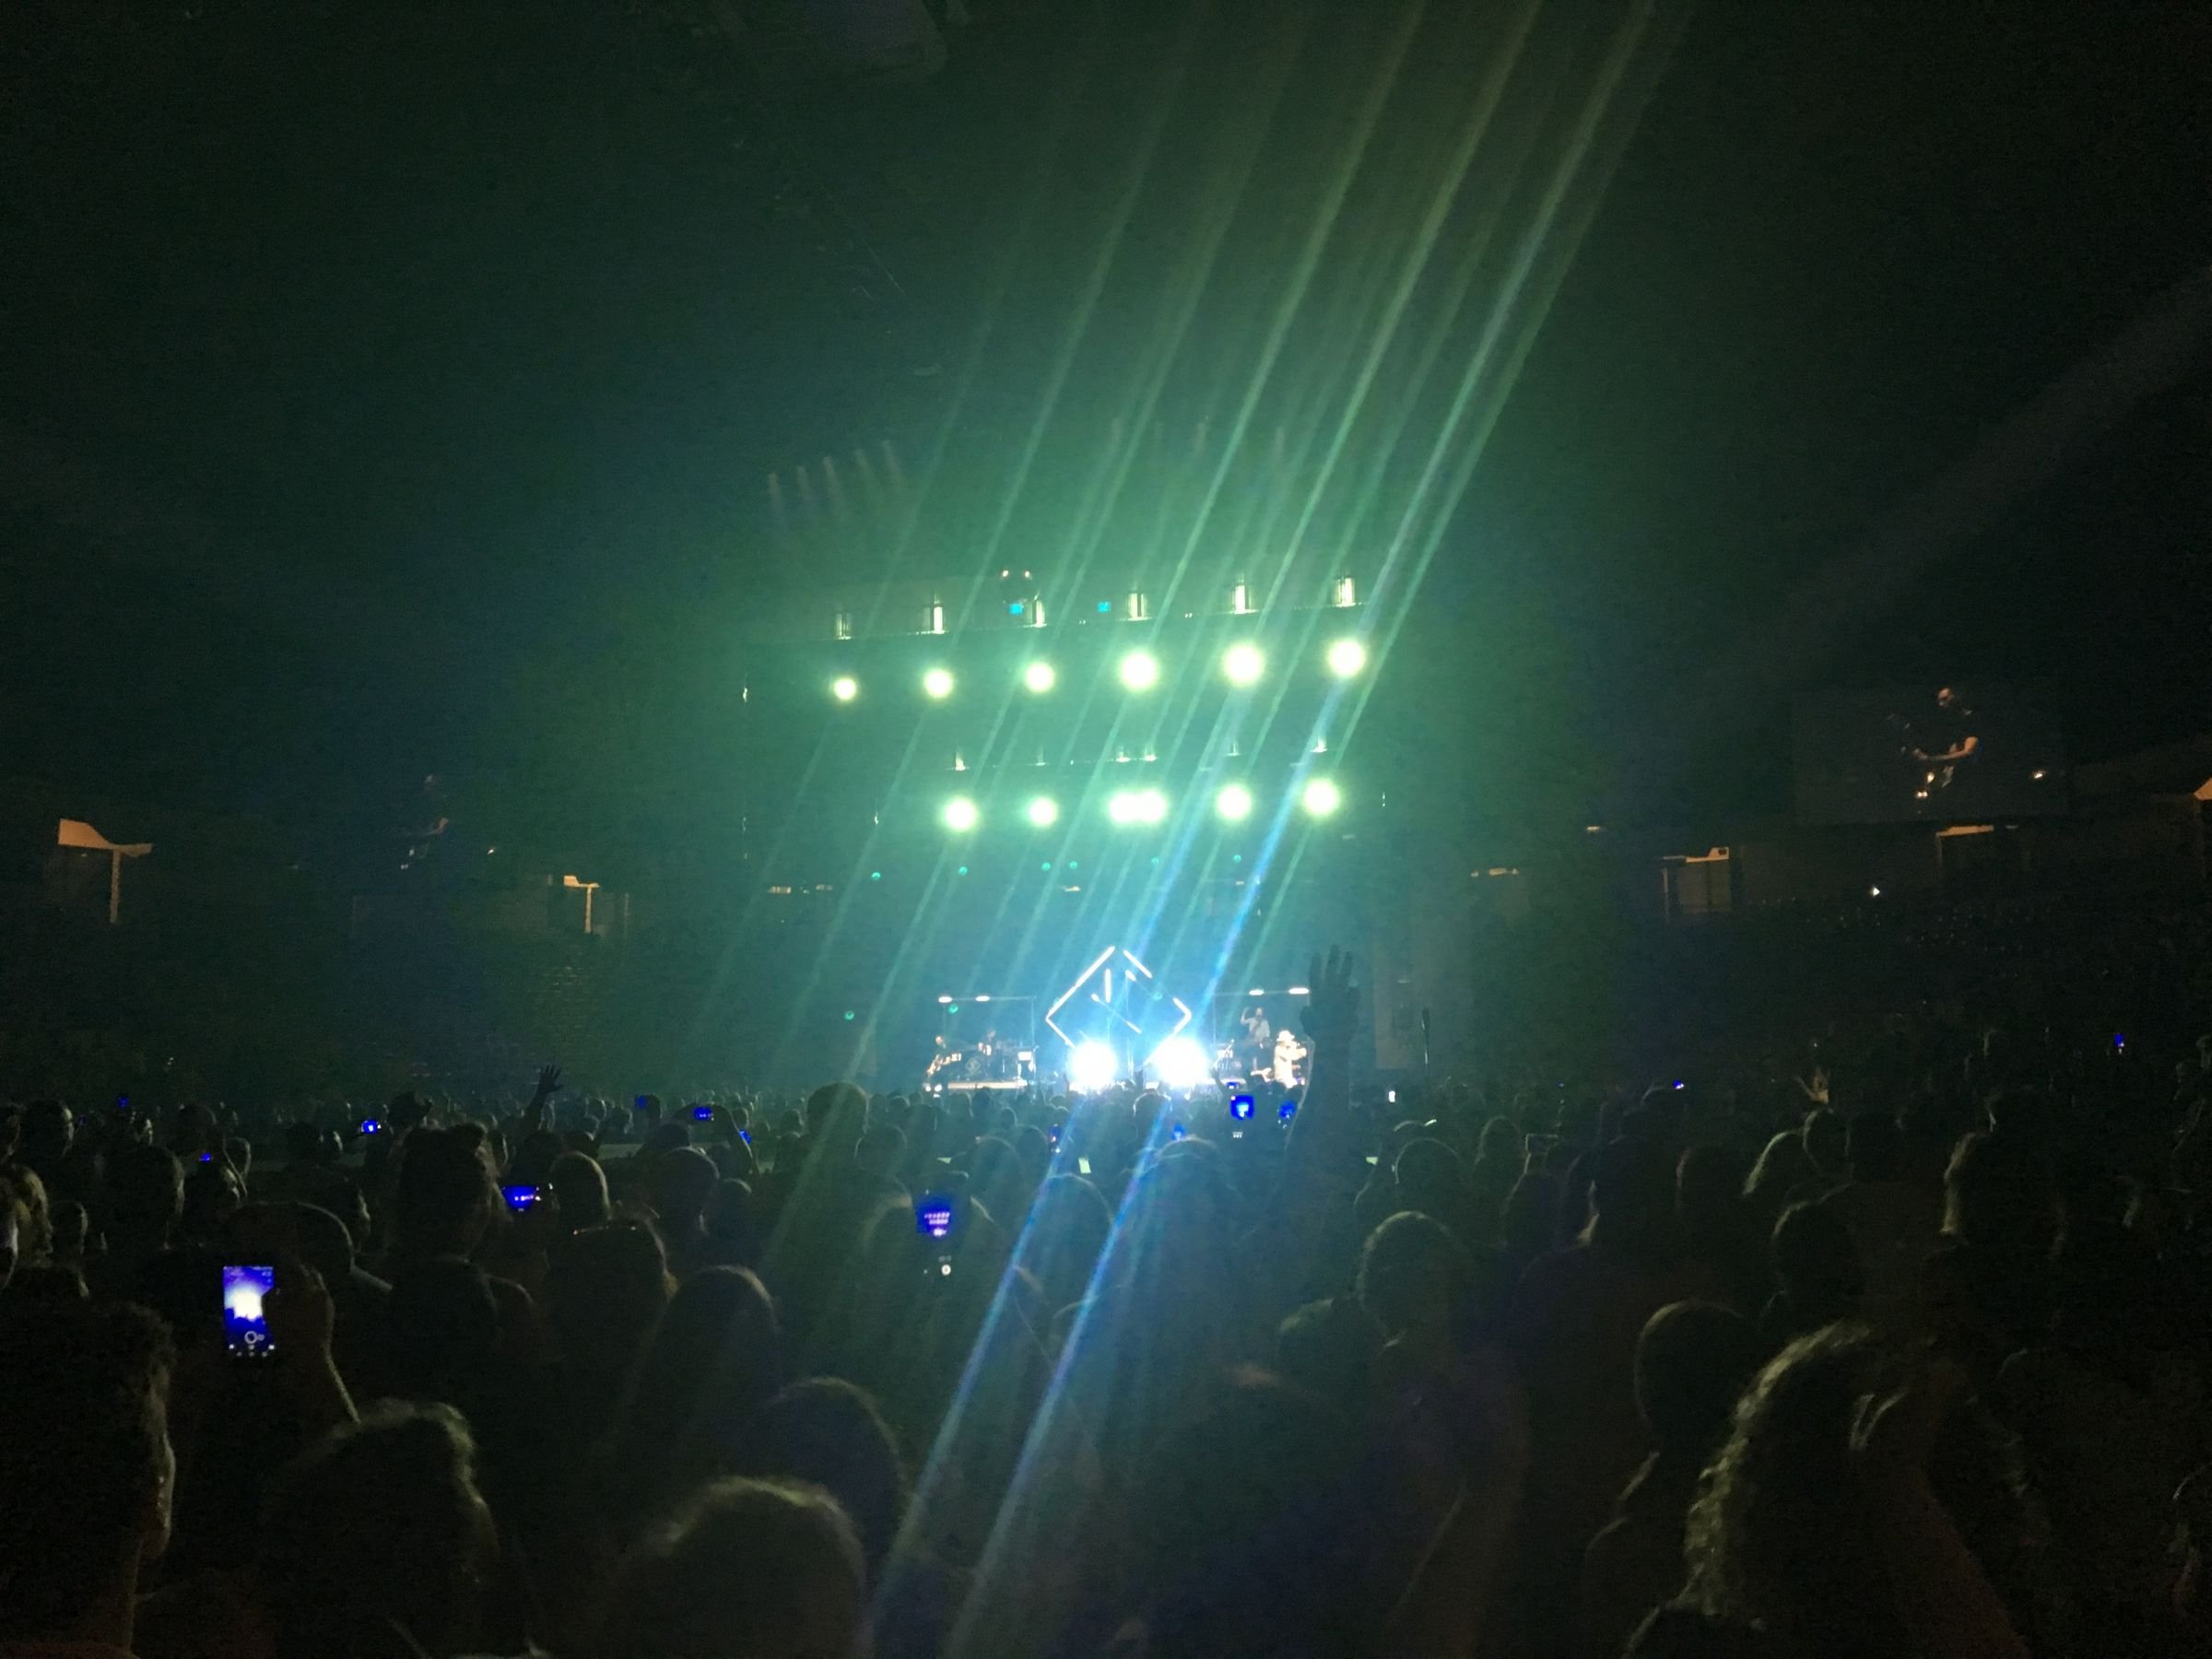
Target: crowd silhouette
{"type": "Point", "coordinates": [1896, 1345]}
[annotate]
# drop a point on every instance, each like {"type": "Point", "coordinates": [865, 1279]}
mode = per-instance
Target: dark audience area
{"type": "Point", "coordinates": [1883, 1338]}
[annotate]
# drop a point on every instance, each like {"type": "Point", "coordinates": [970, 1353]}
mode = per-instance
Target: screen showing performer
{"type": "Point", "coordinates": [1947, 753]}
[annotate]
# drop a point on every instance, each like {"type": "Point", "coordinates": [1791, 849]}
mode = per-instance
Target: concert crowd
{"type": "Point", "coordinates": [1891, 1340]}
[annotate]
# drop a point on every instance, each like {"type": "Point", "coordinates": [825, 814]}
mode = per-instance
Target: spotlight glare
{"type": "Point", "coordinates": [961, 814]}
{"type": "Point", "coordinates": [1039, 676]}
{"type": "Point", "coordinates": [1322, 797]}
{"type": "Point", "coordinates": [1137, 807]}
{"type": "Point", "coordinates": [938, 682]}
{"type": "Point", "coordinates": [844, 688]}
{"type": "Point", "coordinates": [1234, 802]}
{"type": "Point", "coordinates": [1181, 1063]}
{"type": "Point", "coordinates": [1140, 671]}
{"type": "Point", "coordinates": [1044, 812]}
{"type": "Point", "coordinates": [1243, 663]}
{"type": "Point", "coordinates": [1091, 1067]}
{"type": "Point", "coordinates": [1347, 657]}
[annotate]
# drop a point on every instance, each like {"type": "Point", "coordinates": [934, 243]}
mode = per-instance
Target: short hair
{"type": "Point", "coordinates": [378, 1523]}
{"type": "Point", "coordinates": [82, 1446]}
{"type": "Point", "coordinates": [676, 1593]}
{"type": "Point", "coordinates": [1408, 1260]}
{"type": "Point", "coordinates": [682, 1182]}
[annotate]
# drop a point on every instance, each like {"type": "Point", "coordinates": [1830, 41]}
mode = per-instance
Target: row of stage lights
{"type": "Point", "coordinates": [1133, 808]}
{"type": "Point", "coordinates": [1242, 664]}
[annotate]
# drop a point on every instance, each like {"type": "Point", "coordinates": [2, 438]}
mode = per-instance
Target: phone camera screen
{"type": "Point", "coordinates": [245, 1321]}
{"type": "Point", "coordinates": [933, 1217]}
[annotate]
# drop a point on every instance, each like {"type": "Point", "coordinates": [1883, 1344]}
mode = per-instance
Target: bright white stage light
{"type": "Point", "coordinates": [1039, 677]}
{"type": "Point", "coordinates": [1092, 1066]}
{"type": "Point", "coordinates": [844, 688]}
{"type": "Point", "coordinates": [1140, 671]}
{"type": "Point", "coordinates": [1044, 812]}
{"type": "Point", "coordinates": [1347, 657]}
{"type": "Point", "coordinates": [1137, 807]}
{"type": "Point", "coordinates": [1322, 797]}
{"type": "Point", "coordinates": [1181, 1063]}
{"type": "Point", "coordinates": [961, 814]}
{"type": "Point", "coordinates": [1234, 802]}
{"type": "Point", "coordinates": [1243, 663]}
{"type": "Point", "coordinates": [938, 682]}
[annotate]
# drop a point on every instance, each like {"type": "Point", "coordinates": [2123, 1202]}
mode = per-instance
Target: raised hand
{"type": "Point", "coordinates": [1332, 1010]}
{"type": "Point", "coordinates": [549, 1084]}
{"type": "Point", "coordinates": [300, 1314]}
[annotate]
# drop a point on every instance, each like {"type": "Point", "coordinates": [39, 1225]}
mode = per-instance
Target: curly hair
{"type": "Point", "coordinates": [1778, 1537]}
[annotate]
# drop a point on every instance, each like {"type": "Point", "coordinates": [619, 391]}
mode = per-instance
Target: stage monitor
{"type": "Point", "coordinates": [1942, 753]}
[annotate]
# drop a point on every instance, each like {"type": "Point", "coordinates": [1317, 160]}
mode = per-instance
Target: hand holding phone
{"type": "Point", "coordinates": [521, 1197]}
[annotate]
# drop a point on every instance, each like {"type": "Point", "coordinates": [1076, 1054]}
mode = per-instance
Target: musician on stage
{"type": "Point", "coordinates": [1256, 1053]}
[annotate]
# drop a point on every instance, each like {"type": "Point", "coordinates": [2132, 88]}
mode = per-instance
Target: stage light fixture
{"type": "Point", "coordinates": [1243, 663]}
{"type": "Point", "coordinates": [938, 682]}
{"type": "Point", "coordinates": [1039, 677]}
{"type": "Point", "coordinates": [1347, 657]}
{"type": "Point", "coordinates": [1044, 812]}
{"type": "Point", "coordinates": [1140, 671]}
{"type": "Point", "coordinates": [844, 688]}
{"type": "Point", "coordinates": [1322, 797]}
{"type": "Point", "coordinates": [1091, 1067]}
{"type": "Point", "coordinates": [1181, 1063]}
{"type": "Point", "coordinates": [961, 814]}
{"type": "Point", "coordinates": [1137, 807]}
{"type": "Point", "coordinates": [1234, 802]}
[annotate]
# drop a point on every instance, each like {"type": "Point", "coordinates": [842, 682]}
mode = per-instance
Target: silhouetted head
{"type": "Point", "coordinates": [85, 1470]}
{"type": "Point", "coordinates": [683, 1183]}
{"type": "Point", "coordinates": [580, 1188]}
{"type": "Point", "coordinates": [448, 1190]}
{"type": "Point", "coordinates": [826, 1432]}
{"type": "Point", "coordinates": [605, 1288]}
{"type": "Point", "coordinates": [1693, 1362]}
{"type": "Point", "coordinates": [748, 1570]}
{"type": "Point", "coordinates": [380, 1524]}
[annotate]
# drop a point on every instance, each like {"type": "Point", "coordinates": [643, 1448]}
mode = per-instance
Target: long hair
{"type": "Point", "coordinates": [1778, 1536]}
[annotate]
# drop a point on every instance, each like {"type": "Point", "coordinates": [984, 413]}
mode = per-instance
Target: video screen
{"type": "Point", "coordinates": [1947, 753]}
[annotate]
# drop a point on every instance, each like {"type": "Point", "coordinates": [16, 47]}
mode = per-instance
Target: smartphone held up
{"type": "Point", "coordinates": [246, 1288]}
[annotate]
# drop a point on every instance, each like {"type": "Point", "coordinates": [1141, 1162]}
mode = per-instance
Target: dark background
{"type": "Point", "coordinates": [389, 388]}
